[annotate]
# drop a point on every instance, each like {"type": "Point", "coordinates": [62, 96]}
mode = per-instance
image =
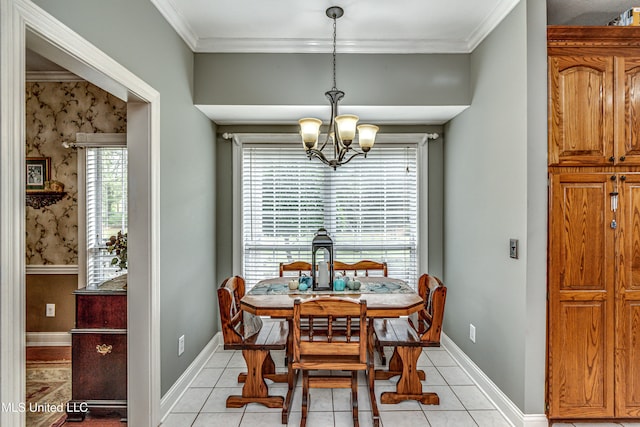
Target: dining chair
{"type": "Point", "coordinates": [408, 336]}
{"type": "Point", "coordinates": [298, 266]}
{"type": "Point", "coordinates": [364, 266]}
{"type": "Point", "coordinates": [245, 332]}
{"type": "Point", "coordinates": [322, 349]}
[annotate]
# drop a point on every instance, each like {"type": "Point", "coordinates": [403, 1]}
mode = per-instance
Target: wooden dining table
{"type": "Point", "coordinates": [385, 296]}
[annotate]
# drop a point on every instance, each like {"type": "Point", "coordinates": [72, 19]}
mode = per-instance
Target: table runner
{"type": "Point", "coordinates": [370, 285]}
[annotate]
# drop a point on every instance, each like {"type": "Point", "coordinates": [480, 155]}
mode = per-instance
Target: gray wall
{"type": "Point", "coordinates": [495, 189]}
{"type": "Point", "coordinates": [302, 79]}
{"type": "Point", "coordinates": [536, 250]}
{"type": "Point", "coordinates": [135, 34]}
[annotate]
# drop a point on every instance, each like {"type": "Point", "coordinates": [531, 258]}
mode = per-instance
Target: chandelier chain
{"type": "Point", "coordinates": [334, 53]}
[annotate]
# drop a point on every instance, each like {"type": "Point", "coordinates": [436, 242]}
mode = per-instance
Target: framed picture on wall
{"type": "Point", "coordinates": [38, 173]}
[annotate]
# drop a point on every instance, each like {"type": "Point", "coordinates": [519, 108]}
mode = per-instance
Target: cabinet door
{"type": "Point", "coordinates": [628, 301]}
{"type": "Point", "coordinates": [627, 117]}
{"type": "Point", "coordinates": [581, 303]}
{"type": "Point", "coordinates": [580, 110]}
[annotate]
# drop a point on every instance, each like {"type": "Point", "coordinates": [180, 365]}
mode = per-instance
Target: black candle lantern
{"type": "Point", "coordinates": [322, 280]}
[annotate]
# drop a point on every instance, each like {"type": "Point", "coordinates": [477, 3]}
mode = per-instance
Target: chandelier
{"type": "Point", "coordinates": [342, 128]}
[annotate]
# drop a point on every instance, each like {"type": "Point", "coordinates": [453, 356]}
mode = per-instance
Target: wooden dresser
{"type": "Point", "coordinates": [99, 352]}
{"type": "Point", "coordinates": [593, 365]}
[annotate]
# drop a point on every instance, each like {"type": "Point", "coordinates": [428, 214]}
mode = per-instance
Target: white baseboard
{"type": "Point", "coordinates": [178, 388]}
{"type": "Point", "coordinates": [35, 339]}
{"type": "Point", "coordinates": [500, 400]}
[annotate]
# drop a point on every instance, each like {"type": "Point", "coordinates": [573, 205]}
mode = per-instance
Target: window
{"type": "Point", "coordinates": [103, 171]}
{"type": "Point", "coordinates": [369, 207]}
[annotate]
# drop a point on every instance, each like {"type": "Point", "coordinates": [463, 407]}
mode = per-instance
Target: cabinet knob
{"type": "Point", "coordinates": [623, 178]}
{"type": "Point", "coordinates": [613, 178]}
{"type": "Point", "coordinates": [622, 158]}
{"type": "Point", "coordinates": [612, 159]}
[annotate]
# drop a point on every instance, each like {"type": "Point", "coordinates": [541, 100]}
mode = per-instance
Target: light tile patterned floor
{"type": "Point", "coordinates": [462, 403]}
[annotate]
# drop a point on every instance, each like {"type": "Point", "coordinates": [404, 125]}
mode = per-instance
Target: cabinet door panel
{"type": "Point", "coordinates": [581, 373]}
{"type": "Point", "coordinates": [581, 303]}
{"type": "Point", "coordinates": [628, 302]}
{"type": "Point", "coordinates": [628, 110]}
{"type": "Point", "coordinates": [580, 110]}
{"type": "Point", "coordinates": [582, 238]}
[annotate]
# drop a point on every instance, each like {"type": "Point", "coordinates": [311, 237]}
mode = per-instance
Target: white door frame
{"type": "Point", "coordinates": [22, 20]}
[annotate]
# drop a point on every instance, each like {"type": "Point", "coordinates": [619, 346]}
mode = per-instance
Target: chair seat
{"type": "Point", "coordinates": [272, 336]}
{"type": "Point", "coordinates": [333, 362]}
{"type": "Point", "coordinates": [396, 332]}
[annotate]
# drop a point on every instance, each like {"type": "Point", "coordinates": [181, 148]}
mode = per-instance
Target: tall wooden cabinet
{"type": "Point", "coordinates": [593, 366]}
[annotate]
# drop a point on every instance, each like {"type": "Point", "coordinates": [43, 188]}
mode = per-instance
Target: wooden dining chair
{"type": "Point", "coordinates": [408, 337]}
{"type": "Point", "coordinates": [322, 349]}
{"type": "Point", "coordinates": [364, 266]}
{"type": "Point", "coordinates": [297, 266]}
{"type": "Point", "coordinates": [255, 346]}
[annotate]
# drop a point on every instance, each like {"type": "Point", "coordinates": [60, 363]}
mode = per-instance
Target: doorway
{"type": "Point", "coordinates": [24, 24]}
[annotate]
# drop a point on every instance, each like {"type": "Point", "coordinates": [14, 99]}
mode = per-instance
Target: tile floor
{"type": "Point", "coordinates": [462, 403]}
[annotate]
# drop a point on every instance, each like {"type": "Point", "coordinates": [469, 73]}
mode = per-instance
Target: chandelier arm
{"type": "Point", "coordinates": [355, 154]}
{"type": "Point", "coordinates": [318, 155]}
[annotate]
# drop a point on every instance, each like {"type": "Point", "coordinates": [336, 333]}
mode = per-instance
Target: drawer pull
{"type": "Point", "coordinates": [104, 349]}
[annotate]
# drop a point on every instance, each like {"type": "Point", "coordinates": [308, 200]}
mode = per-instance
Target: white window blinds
{"type": "Point", "coordinates": [106, 208]}
{"type": "Point", "coordinates": [369, 207]}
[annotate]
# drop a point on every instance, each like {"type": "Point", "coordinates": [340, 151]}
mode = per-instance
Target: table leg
{"type": "Point", "coordinates": [395, 368]}
{"type": "Point", "coordinates": [409, 386]}
{"type": "Point", "coordinates": [255, 389]}
{"type": "Point", "coordinates": [371, 375]}
{"type": "Point", "coordinates": [292, 375]}
{"type": "Point", "coordinates": [268, 371]}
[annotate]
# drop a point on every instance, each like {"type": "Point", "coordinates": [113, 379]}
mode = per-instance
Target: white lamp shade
{"type": "Point", "coordinates": [347, 126]}
{"type": "Point", "coordinates": [367, 136]}
{"type": "Point", "coordinates": [309, 130]}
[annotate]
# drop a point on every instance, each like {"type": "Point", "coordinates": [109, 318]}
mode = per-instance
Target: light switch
{"type": "Point", "coordinates": [513, 248]}
{"type": "Point", "coordinates": [51, 310]}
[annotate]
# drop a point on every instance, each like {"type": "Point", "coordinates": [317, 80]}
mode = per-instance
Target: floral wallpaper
{"type": "Point", "coordinates": [56, 111]}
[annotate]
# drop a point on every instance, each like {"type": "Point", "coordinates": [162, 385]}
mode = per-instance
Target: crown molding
{"type": "Point", "coordinates": [302, 45]}
{"type": "Point", "coordinates": [177, 21]}
{"type": "Point", "coordinates": [52, 76]}
{"type": "Point", "coordinates": [492, 20]}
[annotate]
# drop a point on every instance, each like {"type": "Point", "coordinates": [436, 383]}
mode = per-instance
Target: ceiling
{"type": "Point", "coordinates": [371, 26]}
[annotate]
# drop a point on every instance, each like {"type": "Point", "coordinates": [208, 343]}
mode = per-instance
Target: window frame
{"type": "Point", "coordinates": [239, 140]}
{"type": "Point", "coordinates": [83, 141]}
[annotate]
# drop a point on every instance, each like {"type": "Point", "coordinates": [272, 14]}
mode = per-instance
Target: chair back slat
{"type": "Point", "coordinates": [364, 266]}
{"type": "Point", "coordinates": [434, 295]}
{"type": "Point", "coordinates": [325, 341]}
{"type": "Point", "coordinates": [230, 293]}
{"type": "Point", "coordinates": [297, 266]}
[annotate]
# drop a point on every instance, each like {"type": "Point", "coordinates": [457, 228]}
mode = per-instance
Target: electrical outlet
{"type": "Point", "coordinates": [181, 345]}
{"type": "Point", "coordinates": [51, 310]}
{"type": "Point", "coordinates": [472, 332]}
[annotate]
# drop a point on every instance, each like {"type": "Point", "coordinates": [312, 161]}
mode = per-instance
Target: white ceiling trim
{"type": "Point", "coordinates": [178, 22]}
{"type": "Point", "coordinates": [52, 76]}
{"type": "Point", "coordinates": [302, 45]}
{"type": "Point", "coordinates": [276, 45]}
{"type": "Point", "coordinates": [289, 114]}
{"type": "Point", "coordinates": [492, 20]}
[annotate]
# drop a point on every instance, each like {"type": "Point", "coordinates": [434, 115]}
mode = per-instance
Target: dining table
{"type": "Point", "coordinates": [386, 297]}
